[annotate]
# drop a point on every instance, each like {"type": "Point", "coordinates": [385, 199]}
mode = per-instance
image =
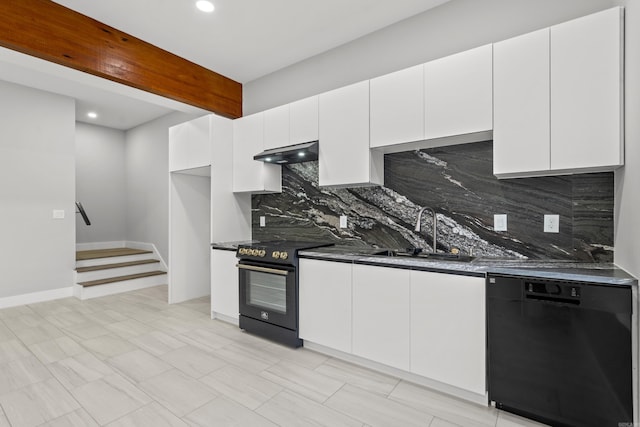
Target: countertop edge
{"type": "Point", "coordinates": [612, 276]}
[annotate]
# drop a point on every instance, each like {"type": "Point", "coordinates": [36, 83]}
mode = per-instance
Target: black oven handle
{"type": "Point", "coordinates": [263, 269]}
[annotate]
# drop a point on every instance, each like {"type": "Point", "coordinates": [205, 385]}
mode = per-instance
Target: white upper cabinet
{"type": "Point", "coordinates": [558, 98]}
{"type": "Point", "coordinates": [303, 125]}
{"type": "Point", "coordinates": [586, 92]}
{"type": "Point", "coordinates": [344, 156]}
{"type": "Point", "coordinates": [276, 127]}
{"type": "Point", "coordinates": [190, 145]}
{"type": "Point", "coordinates": [397, 107]}
{"type": "Point", "coordinates": [458, 93]}
{"type": "Point", "coordinates": [521, 104]}
{"type": "Point", "coordinates": [251, 175]}
{"type": "Point", "coordinates": [291, 124]}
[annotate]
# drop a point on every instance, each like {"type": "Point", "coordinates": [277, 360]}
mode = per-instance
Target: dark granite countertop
{"type": "Point", "coordinates": [603, 273]}
{"type": "Point", "coordinates": [231, 246]}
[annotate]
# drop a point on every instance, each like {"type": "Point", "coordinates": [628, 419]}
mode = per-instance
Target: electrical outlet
{"type": "Point", "coordinates": [58, 214]}
{"type": "Point", "coordinates": [343, 221]}
{"type": "Point", "coordinates": [552, 223]}
{"type": "Point", "coordinates": [500, 222]}
{"type": "Point", "coordinates": [263, 221]}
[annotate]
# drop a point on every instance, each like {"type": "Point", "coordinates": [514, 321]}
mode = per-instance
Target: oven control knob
{"type": "Point", "coordinates": [242, 251]}
{"type": "Point", "coordinates": [254, 252]}
{"type": "Point", "coordinates": [284, 255]}
{"type": "Point", "coordinates": [262, 253]}
{"type": "Point", "coordinates": [275, 254]}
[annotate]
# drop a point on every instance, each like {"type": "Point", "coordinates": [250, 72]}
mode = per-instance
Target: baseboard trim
{"type": "Point", "coordinates": [225, 318]}
{"type": "Point", "coordinates": [35, 297]}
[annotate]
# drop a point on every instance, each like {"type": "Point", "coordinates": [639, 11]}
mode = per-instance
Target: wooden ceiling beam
{"type": "Point", "coordinates": [52, 32]}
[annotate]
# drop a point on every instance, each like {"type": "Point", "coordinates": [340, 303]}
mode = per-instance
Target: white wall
{"type": "Point", "coordinates": [37, 175]}
{"type": "Point", "coordinates": [452, 27]}
{"type": "Point", "coordinates": [147, 172]}
{"type": "Point", "coordinates": [101, 183]}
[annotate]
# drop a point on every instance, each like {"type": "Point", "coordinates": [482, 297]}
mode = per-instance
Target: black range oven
{"type": "Point", "coordinates": [268, 280]}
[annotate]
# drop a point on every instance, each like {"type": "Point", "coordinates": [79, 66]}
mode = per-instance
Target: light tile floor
{"type": "Point", "coordinates": [133, 360]}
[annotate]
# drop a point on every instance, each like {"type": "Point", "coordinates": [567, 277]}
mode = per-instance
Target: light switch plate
{"type": "Point", "coordinates": [263, 221]}
{"type": "Point", "coordinates": [500, 222]}
{"type": "Point", "coordinates": [552, 223]}
{"type": "Point", "coordinates": [343, 221]}
{"type": "Point", "coordinates": [58, 214]}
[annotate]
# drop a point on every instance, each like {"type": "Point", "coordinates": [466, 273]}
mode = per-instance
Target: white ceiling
{"type": "Point", "coordinates": [241, 39]}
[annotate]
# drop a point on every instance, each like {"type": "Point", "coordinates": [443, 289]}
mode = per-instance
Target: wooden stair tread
{"type": "Point", "coordinates": [121, 278]}
{"type": "Point", "coordinates": [107, 253]}
{"type": "Point", "coordinates": [115, 265]}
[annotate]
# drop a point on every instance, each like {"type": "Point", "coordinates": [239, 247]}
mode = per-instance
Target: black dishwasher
{"type": "Point", "coordinates": [560, 351]}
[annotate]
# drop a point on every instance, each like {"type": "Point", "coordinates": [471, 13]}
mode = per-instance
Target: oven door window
{"type": "Point", "coordinates": [267, 291]}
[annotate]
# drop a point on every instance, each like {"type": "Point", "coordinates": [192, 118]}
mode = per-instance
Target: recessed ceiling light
{"type": "Point", "coordinates": [205, 6]}
{"type": "Point", "coordinates": [301, 154]}
{"type": "Point", "coordinates": [92, 115]}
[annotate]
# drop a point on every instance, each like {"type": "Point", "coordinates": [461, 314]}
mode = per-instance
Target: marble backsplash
{"type": "Point", "coordinates": [458, 182]}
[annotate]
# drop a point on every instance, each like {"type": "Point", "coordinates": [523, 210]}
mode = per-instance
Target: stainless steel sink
{"type": "Point", "coordinates": [426, 255]}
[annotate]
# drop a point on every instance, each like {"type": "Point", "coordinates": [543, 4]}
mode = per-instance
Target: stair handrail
{"type": "Point", "coordinates": [83, 213]}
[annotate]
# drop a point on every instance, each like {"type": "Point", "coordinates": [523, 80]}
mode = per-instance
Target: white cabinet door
{"type": "Point", "coordinates": [276, 127]}
{"type": "Point", "coordinates": [381, 319]}
{"type": "Point", "coordinates": [224, 284]}
{"type": "Point", "coordinates": [251, 175]}
{"type": "Point", "coordinates": [458, 93]}
{"type": "Point", "coordinates": [344, 158]}
{"type": "Point", "coordinates": [304, 120]}
{"type": "Point", "coordinates": [521, 134]}
{"type": "Point", "coordinates": [397, 107]}
{"type": "Point", "coordinates": [325, 303]}
{"type": "Point", "coordinates": [586, 92]}
{"type": "Point", "coordinates": [448, 329]}
{"type": "Point", "coordinates": [190, 145]}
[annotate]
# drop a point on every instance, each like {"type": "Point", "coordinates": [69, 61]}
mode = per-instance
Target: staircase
{"type": "Point", "coordinates": [101, 272]}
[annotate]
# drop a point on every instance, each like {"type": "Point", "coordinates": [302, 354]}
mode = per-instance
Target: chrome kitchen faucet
{"type": "Point", "coordinates": [435, 224]}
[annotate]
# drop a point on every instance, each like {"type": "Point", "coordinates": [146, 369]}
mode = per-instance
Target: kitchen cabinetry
{"type": "Point", "coordinates": [558, 98]}
{"type": "Point", "coordinates": [291, 124]}
{"type": "Point", "coordinates": [458, 93]}
{"type": "Point", "coordinates": [344, 158]}
{"type": "Point", "coordinates": [325, 303]}
{"type": "Point", "coordinates": [448, 329]}
{"type": "Point", "coordinates": [251, 175]}
{"type": "Point", "coordinates": [304, 118]}
{"type": "Point", "coordinates": [224, 285]}
{"type": "Point", "coordinates": [586, 92]}
{"type": "Point", "coordinates": [202, 209]}
{"type": "Point", "coordinates": [276, 127]}
{"type": "Point", "coordinates": [190, 145]}
{"type": "Point", "coordinates": [521, 134]}
{"type": "Point", "coordinates": [381, 321]}
{"type": "Point", "coordinates": [397, 107]}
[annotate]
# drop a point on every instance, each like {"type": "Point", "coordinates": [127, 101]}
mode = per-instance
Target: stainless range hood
{"type": "Point", "coordinates": [305, 152]}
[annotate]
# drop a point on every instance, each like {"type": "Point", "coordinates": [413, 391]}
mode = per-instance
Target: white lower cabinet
{"type": "Point", "coordinates": [381, 318]}
{"type": "Point", "coordinates": [325, 303]}
{"type": "Point", "coordinates": [448, 329]}
{"type": "Point", "coordinates": [428, 324]}
{"type": "Point", "coordinates": [224, 284]}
